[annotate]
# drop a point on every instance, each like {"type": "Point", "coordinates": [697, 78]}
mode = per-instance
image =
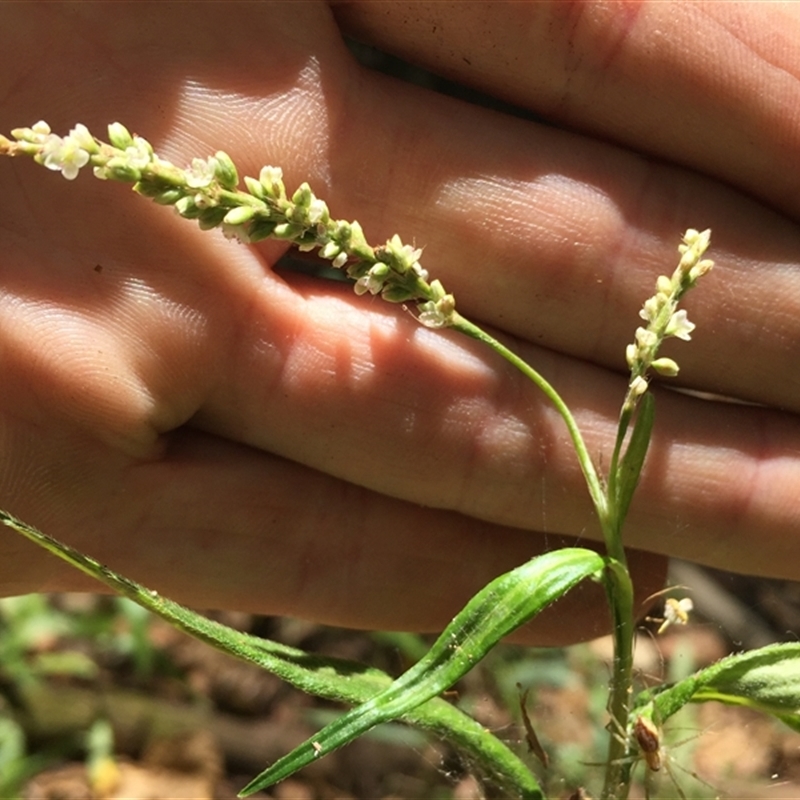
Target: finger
{"type": "Point", "coordinates": [431, 418]}
{"type": "Point", "coordinates": [713, 86]}
{"type": "Point", "coordinates": [216, 525]}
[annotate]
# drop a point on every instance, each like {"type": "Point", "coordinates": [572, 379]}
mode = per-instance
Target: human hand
{"type": "Point", "coordinates": [234, 437]}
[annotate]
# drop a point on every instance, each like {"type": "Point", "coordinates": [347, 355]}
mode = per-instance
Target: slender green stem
{"type": "Point", "coordinates": [612, 524]}
{"type": "Point", "coordinates": [593, 481]}
{"type": "Point", "coordinates": [619, 589]}
{"type": "Point", "coordinates": [622, 429]}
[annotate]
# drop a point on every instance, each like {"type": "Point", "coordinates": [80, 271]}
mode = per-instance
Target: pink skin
{"type": "Point", "coordinates": [236, 437]}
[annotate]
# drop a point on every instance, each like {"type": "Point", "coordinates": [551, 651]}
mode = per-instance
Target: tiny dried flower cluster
{"type": "Point", "coordinates": [208, 192]}
{"type": "Point", "coordinates": [663, 317]}
{"type": "Point", "coordinates": [676, 612]}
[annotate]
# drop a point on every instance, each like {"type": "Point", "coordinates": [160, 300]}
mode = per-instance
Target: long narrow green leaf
{"type": "Point", "coordinates": [333, 679]}
{"type": "Point", "coordinates": [506, 603]}
{"type": "Point", "coordinates": [767, 679]}
{"type": "Point", "coordinates": [630, 467]}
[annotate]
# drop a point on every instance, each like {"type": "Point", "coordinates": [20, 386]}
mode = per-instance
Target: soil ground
{"type": "Point", "coordinates": [181, 720]}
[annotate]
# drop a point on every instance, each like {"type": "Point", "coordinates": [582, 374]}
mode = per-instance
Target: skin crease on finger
{"type": "Point", "coordinates": [759, 259]}
{"type": "Point", "coordinates": [248, 355]}
{"type": "Point", "coordinates": [712, 86]}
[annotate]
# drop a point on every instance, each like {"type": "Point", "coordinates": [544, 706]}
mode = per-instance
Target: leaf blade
{"type": "Point", "coordinates": [502, 606]}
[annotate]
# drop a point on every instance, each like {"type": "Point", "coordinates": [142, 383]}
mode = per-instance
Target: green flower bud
{"type": "Point", "coordinates": [357, 245]}
{"type": "Point", "coordinates": [239, 215]}
{"type": "Point", "coordinates": [271, 178]}
{"type": "Point", "coordinates": [255, 188]}
{"type": "Point", "coordinates": [330, 250]}
{"type": "Point", "coordinates": [168, 197]}
{"type": "Point", "coordinates": [437, 290]}
{"type": "Point", "coordinates": [29, 134]}
{"type": "Point", "coordinates": [225, 171]}
{"type": "Point", "coordinates": [28, 149]}
{"type": "Point", "coordinates": [666, 367]}
{"type": "Point", "coordinates": [287, 230]}
{"type": "Point", "coordinates": [119, 169]}
{"type": "Point", "coordinates": [119, 136]}
{"type": "Point", "coordinates": [150, 188]}
{"type": "Point", "coordinates": [303, 196]}
{"type": "Point", "coordinates": [700, 269]}
{"type": "Point", "coordinates": [81, 136]}
{"type": "Point", "coordinates": [187, 208]}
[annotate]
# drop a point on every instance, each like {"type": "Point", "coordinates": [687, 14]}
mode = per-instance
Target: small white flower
{"type": "Point", "coordinates": [373, 281]}
{"type": "Point", "coordinates": [140, 153]}
{"type": "Point", "coordinates": [339, 261]}
{"type": "Point", "coordinates": [271, 174]}
{"type": "Point", "coordinates": [316, 210]}
{"type": "Point", "coordinates": [271, 177]}
{"type": "Point", "coordinates": [700, 269]}
{"type": "Point", "coordinates": [64, 155]}
{"type": "Point", "coordinates": [407, 254]}
{"type": "Point", "coordinates": [421, 273]}
{"type": "Point", "coordinates": [41, 127]}
{"type": "Point", "coordinates": [81, 136]}
{"type": "Point", "coordinates": [646, 338]}
{"type": "Point", "coordinates": [439, 313]}
{"type": "Point", "coordinates": [364, 285]}
{"type": "Point", "coordinates": [679, 326]}
{"type": "Point", "coordinates": [200, 173]}
{"type": "Point", "coordinates": [638, 386]}
{"type": "Point", "coordinates": [651, 308]}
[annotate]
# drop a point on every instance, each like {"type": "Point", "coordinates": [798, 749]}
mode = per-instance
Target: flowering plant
{"type": "Point", "coordinates": [208, 191]}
